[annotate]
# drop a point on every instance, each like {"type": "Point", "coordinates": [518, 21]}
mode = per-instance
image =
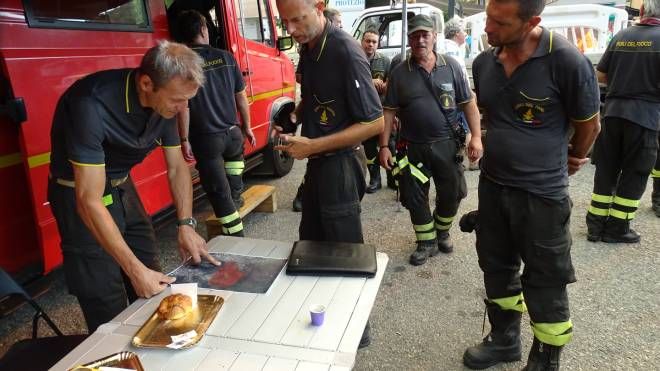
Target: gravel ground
{"type": "Point", "coordinates": [424, 317]}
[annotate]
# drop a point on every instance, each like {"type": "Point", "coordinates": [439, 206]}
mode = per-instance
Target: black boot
{"type": "Point", "coordinates": [297, 201]}
{"type": "Point", "coordinates": [365, 340]}
{"type": "Point", "coordinates": [595, 227]}
{"type": "Point", "coordinates": [655, 197]}
{"type": "Point", "coordinates": [425, 249]}
{"type": "Point", "coordinates": [502, 343]}
{"type": "Point", "coordinates": [444, 244]}
{"type": "Point", "coordinates": [374, 178]}
{"type": "Point", "coordinates": [619, 231]}
{"type": "Point", "coordinates": [543, 357]}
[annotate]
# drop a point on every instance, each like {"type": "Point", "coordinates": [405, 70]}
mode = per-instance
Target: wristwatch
{"type": "Point", "coordinates": [192, 222]}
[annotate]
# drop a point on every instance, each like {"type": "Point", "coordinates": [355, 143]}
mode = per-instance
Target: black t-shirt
{"type": "Point", "coordinates": [99, 121]}
{"type": "Point", "coordinates": [527, 115]}
{"type": "Point", "coordinates": [336, 87]}
{"type": "Point", "coordinates": [408, 92]}
{"type": "Point", "coordinates": [213, 109]}
{"type": "Point", "coordinates": [632, 65]}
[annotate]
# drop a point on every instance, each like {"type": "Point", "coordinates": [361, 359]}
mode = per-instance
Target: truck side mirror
{"type": "Point", "coordinates": [284, 43]}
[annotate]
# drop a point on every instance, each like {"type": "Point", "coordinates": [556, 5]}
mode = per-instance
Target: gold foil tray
{"type": "Point", "coordinates": [157, 332]}
{"type": "Point", "coordinates": [127, 360]}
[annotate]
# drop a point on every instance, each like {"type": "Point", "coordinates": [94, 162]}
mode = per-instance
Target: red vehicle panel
{"type": "Point", "coordinates": [38, 62]}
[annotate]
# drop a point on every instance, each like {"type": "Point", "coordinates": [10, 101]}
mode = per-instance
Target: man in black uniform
{"type": "Point", "coordinates": [340, 109]}
{"type": "Point", "coordinates": [626, 149]}
{"type": "Point", "coordinates": [531, 86]}
{"type": "Point", "coordinates": [105, 124]}
{"type": "Point", "coordinates": [380, 67]}
{"type": "Point", "coordinates": [427, 90]}
{"type": "Point", "coordinates": [210, 126]}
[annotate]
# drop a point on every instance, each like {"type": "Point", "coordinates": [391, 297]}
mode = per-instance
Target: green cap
{"type": "Point", "coordinates": [420, 22]}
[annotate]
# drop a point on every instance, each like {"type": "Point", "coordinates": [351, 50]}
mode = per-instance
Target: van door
{"type": "Point", "coordinates": [388, 25]}
{"type": "Point", "coordinates": [18, 235]}
{"type": "Point", "coordinates": [260, 62]}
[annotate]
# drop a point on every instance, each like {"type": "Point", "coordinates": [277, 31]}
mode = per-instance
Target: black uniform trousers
{"type": "Point", "coordinates": [625, 153]}
{"type": "Point", "coordinates": [333, 188]}
{"type": "Point", "coordinates": [220, 164]}
{"type": "Point", "coordinates": [92, 275]}
{"type": "Point", "coordinates": [435, 160]}
{"type": "Point", "coordinates": [516, 225]}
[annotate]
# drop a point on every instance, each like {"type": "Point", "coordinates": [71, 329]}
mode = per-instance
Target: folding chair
{"type": "Point", "coordinates": [35, 353]}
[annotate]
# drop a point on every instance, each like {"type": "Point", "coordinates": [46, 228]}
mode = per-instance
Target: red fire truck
{"type": "Point", "coordinates": [46, 45]}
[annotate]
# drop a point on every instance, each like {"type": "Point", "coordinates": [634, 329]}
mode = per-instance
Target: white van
{"type": "Point", "coordinates": [387, 21]}
{"type": "Point", "coordinates": [589, 26]}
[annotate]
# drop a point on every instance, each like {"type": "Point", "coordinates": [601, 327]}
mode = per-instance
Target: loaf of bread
{"type": "Point", "coordinates": [175, 307]}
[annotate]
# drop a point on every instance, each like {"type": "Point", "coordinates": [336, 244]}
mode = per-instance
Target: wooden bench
{"type": "Point", "coordinates": [262, 198]}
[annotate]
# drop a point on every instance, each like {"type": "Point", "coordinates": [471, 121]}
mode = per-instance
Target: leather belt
{"type": "Point", "coordinates": [342, 151]}
{"type": "Point", "coordinates": [72, 184]}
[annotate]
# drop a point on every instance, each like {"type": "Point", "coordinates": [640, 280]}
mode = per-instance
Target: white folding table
{"type": "Point", "coordinates": [255, 331]}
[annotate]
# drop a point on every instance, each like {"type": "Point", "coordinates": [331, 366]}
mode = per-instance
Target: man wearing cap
{"type": "Point", "coordinates": [532, 86]}
{"type": "Point", "coordinates": [104, 125]}
{"type": "Point", "coordinates": [340, 109]}
{"type": "Point", "coordinates": [427, 91]}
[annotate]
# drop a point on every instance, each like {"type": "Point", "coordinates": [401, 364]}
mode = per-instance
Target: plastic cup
{"type": "Point", "coordinates": [317, 311]}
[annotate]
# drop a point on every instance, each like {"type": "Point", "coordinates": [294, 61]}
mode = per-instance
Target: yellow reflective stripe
{"type": "Point", "coordinates": [403, 162]}
{"type": "Point", "coordinates": [516, 303]}
{"type": "Point", "coordinates": [396, 170]}
{"type": "Point", "coordinates": [418, 174]}
{"type": "Point", "coordinates": [621, 214]}
{"type": "Point", "coordinates": [598, 211]}
{"type": "Point", "coordinates": [234, 165]}
{"type": "Point", "coordinates": [371, 161]}
{"type": "Point", "coordinates": [425, 236]}
{"type": "Point", "coordinates": [556, 334]}
{"type": "Point", "coordinates": [229, 218]}
{"type": "Point", "coordinates": [602, 198]}
{"type": "Point", "coordinates": [234, 171]}
{"type": "Point", "coordinates": [444, 220]}
{"type": "Point", "coordinates": [38, 160]}
{"type": "Point", "coordinates": [168, 147]}
{"type": "Point", "coordinates": [269, 94]}
{"type": "Point", "coordinates": [128, 107]}
{"type": "Point", "coordinates": [626, 202]}
{"type": "Point", "coordinates": [231, 230]}
{"type": "Point", "coordinates": [442, 227]}
{"type": "Point", "coordinates": [10, 160]}
{"type": "Point", "coordinates": [655, 173]}
{"type": "Point", "coordinates": [423, 227]}
{"type": "Point", "coordinates": [82, 164]}
{"type": "Point", "coordinates": [107, 200]}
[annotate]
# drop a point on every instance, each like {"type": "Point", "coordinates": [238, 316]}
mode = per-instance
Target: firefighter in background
{"type": "Point", "coordinates": [426, 91]}
{"type": "Point", "coordinates": [380, 67]}
{"type": "Point", "coordinates": [627, 147]}
{"type": "Point", "coordinates": [209, 127]}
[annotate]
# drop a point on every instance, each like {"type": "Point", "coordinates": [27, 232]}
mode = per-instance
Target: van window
{"type": "Point", "coordinates": [113, 15]}
{"type": "Point", "coordinates": [254, 21]}
{"type": "Point", "coordinates": [387, 25]}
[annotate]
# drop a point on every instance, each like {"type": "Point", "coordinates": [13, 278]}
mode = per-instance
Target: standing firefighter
{"type": "Point", "coordinates": [532, 85]}
{"type": "Point", "coordinates": [427, 90]}
{"type": "Point", "coordinates": [210, 127]}
{"type": "Point", "coordinates": [340, 109]}
{"type": "Point", "coordinates": [380, 67]}
{"type": "Point", "coordinates": [104, 125]}
{"type": "Point", "coordinates": [627, 147]}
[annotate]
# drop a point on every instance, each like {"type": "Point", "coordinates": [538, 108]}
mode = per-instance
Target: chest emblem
{"type": "Point", "coordinates": [325, 111]}
{"type": "Point", "coordinates": [530, 109]}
